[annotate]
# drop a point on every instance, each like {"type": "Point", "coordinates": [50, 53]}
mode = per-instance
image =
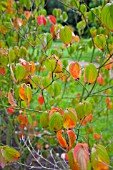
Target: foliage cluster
{"type": "Point", "coordinates": [50, 105]}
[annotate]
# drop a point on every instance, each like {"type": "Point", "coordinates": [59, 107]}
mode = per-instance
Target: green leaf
{"type": "Point", "coordinates": [87, 108]}
{"type": "Point", "coordinates": [64, 16]}
{"type": "Point", "coordinates": [83, 8]}
{"type": "Point", "coordinates": [107, 16]}
{"type": "Point", "coordinates": [19, 72]}
{"type": "Point", "coordinates": [44, 120]}
{"type": "Point", "coordinates": [12, 55]}
{"type": "Point", "coordinates": [56, 122]}
{"type": "Point", "coordinates": [102, 153]}
{"type": "Point", "coordinates": [90, 73]}
{"type": "Point", "coordinates": [66, 35]}
{"type": "Point", "coordinates": [56, 88]}
{"type": "Point", "coordinates": [80, 110]}
{"type": "Point", "coordinates": [23, 52]}
{"type": "Point", "coordinates": [100, 41]}
{"type": "Point", "coordinates": [72, 161]}
{"type": "Point", "coordinates": [10, 154]}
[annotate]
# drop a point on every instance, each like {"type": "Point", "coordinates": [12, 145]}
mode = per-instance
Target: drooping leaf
{"type": "Point", "coordinates": [66, 35]}
{"type": "Point", "coordinates": [75, 70]}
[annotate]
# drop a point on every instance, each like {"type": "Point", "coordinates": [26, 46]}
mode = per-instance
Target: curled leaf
{"type": "Point", "coordinates": [71, 137]}
{"type": "Point", "coordinates": [61, 139]}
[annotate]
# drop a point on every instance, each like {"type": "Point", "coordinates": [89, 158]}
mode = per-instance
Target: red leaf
{"type": "Point", "coordinates": [2, 71]}
{"type": "Point", "coordinates": [75, 70]}
{"type": "Point", "coordinates": [52, 31]}
{"type": "Point", "coordinates": [100, 80]}
{"type": "Point", "coordinates": [41, 20]}
{"type": "Point", "coordinates": [41, 99]}
{"type": "Point", "coordinates": [52, 19]}
{"type": "Point", "coordinates": [10, 110]}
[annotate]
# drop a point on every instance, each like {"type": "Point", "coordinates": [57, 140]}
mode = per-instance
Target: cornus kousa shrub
{"type": "Point", "coordinates": [55, 108]}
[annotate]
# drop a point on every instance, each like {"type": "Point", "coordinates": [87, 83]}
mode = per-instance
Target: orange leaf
{"type": "Point", "coordinates": [27, 14]}
{"type": "Point", "coordinates": [75, 70]}
{"type": "Point", "coordinates": [25, 93]}
{"type": "Point", "coordinates": [71, 137]}
{"type": "Point", "coordinates": [11, 99]}
{"type": "Point", "coordinates": [70, 119]}
{"type": "Point", "coordinates": [61, 139]}
{"type": "Point", "coordinates": [87, 119]}
{"type": "Point", "coordinates": [97, 136]}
